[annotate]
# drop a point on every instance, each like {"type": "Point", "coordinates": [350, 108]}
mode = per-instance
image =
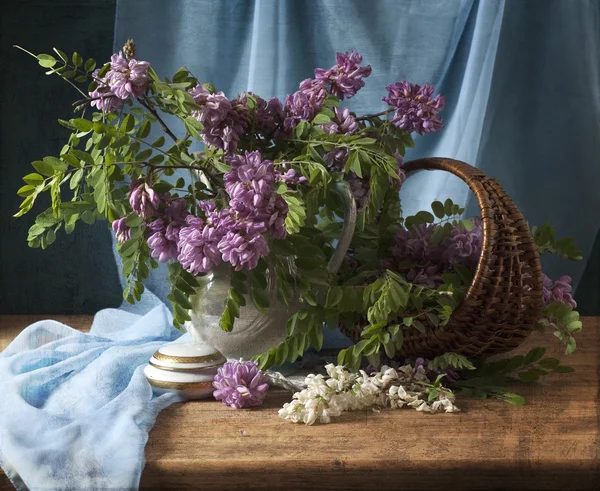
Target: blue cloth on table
{"type": "Point", "coordinates": [75, 408]}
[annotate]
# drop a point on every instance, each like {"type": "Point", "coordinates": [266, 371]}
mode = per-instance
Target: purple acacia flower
{"type": "Point", "coordinates": [426, 276]}
{"type": "Point", "coordinates": [251, 187]}
{"type": "Point", "coordinates": [161, 247]}
{"type": "Point", "coordinates": [397, 183]}
{"type": "Point", "coordinates": [127, 78]}
{"type": "Point", "coordinates": [143, 199]}
{"type": "Point", "coordinates": [465, 247]}
{"type": "Point", "coordinates": [269, 116]}
{"type": "Point", "coordinates": [103, 98]}
{"type": "Point", "coordinates": [336, 158]}
{"type": "Point", "coordinates": [243, 250]}
{"type": "Point", "coordinates": [291, 177]}
{"type": "Point", "coordinates": [346, 77]}
{"type": "Point", "coordinates": [416, 109]}
{"type": "Point", "coordinates": [305, 103]}
{"type": "Point", "coordinates": [122, 232]}
{"type": "Point", "coordinates": [198, 246]}
{"type": "Point", "coordinates": [240, 384]}
{"type": "Point", "coordinates": [164, 242]}
{"type": "Point", "coordinates": [558, 291]}
{"type": "Point", "coordinates": [343, 124]}
{"type": "Point", "coordinates": [224, 121]}
{"type": "Point", "coordinates": [360, 190]}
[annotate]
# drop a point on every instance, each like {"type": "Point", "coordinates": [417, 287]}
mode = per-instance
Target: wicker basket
{"type": "Point", "coordinates": [505, 298]}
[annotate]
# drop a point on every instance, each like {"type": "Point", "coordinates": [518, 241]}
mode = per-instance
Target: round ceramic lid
{"type": "Point", "coordinates": [187, 356]}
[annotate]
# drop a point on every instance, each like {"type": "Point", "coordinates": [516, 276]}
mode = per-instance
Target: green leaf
{"type": "Point", "coordinates": [353, 164]}
{"type": "Point", "coordinates": [259, 298]}
{"type": "Point", "coordinates": [56, 164]}
{"type": "Point", "coordinates": [321, 119]}
{"type": "Point", "coordinates": [334, 296]}
{"type": "Point", "coordinates": [301, 130]}
{"type": "Point", "coordinates": [514, 399]}
{"type": "Point", "coordinates": [159, 142]}
{"type": "Point", "coordinates": [82, 124]}
{"type": "Point", "coordinates": [448, 204]}
{"type": "Point", "coordinates": [316, 338]}
{"type": "Point", "coordinates": [77, 59]}
{"type": "Point", "coordinates": [529, 376]}
{"type": "Point", "coordinates": [564, 369]}
{"type": "Point", "coordinates": [134, 220]}
{"type": "Point", "coordinates": [438, 209]}
{"type": "Point", "coordinates": [47, 61]}
{"type": "Point", "coordinates": [33, 179]}
{"type": "Point", "coordinates": [90, 65]}
{"type": "Point", "coordinates": [76, 179]}
{"type": "Point", "coordinates": [425, 217]}
{"type": "Point", "coordinates": [128, 124]}
{"type": "Point", "coordinates": [549, 363]}
{"type": "Point", "coordinates": [43, 168]}
{"type": "Point", "coordinates": [534, 355]}
{"type": "Point", "coordinates": [181, 299]}
{"type": "Point", "coordinates": [50, 237]}
{"type": "Point", "coordinates": [571, 346]}
{"type": "Point", "coordinates": [468, 226]}
{"type": "Point", "coordinates": [144, 130]}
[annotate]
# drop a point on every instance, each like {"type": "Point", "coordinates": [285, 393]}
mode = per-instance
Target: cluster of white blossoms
{"type": "Point", "coordinates": [324, 398]}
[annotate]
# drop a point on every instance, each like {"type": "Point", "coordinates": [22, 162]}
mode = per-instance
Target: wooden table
{"type": "Point", "coordinates": [551, 443]}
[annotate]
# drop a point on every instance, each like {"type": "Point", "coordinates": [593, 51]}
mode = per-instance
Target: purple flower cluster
{"type": "Point", "coordinates": [429, 260]}
{"type": "Point", "coordinates": [290, 177]}
{"type": "Point", "coordinates": [122, 232]}
{"type": "Point", "coordinates": [305, 103]}
{"type": "Point", "coordinates": [558, 291]}
{"type": "Point", "coordinates": [270, 116]}
{"type": "Point", "coordinates": [198, 245]}
{"type": "Point", "coordinates": [343, 124]}
{"type": "Point", "coordinates": [240, 384]}
{"type": "Point", "coordinates": [464, 247]}
{"type": "Point", "coordinates": [224, 121]}
{"type": "Point", "coordinates": [416, 108]}
{"type": "Point", "coordinates": [164, 241]}
{"type": "Point", "coordinates": [251, 187]}
{"type": "Point", "coordinates": [236, 234]}
{"type": "Point", "coordinates": [345, 78]}
{"type": "Point", "coordinates": [397, 183]}
{"type": "Point", "coordinates": [143, 199]}
{"type": "Point", "coordinates": [103, 98]}
{"type": "Point", "coordinates": [125, 79]}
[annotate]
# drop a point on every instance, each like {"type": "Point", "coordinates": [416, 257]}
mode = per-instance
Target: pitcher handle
{"type": "Point", "coordinates": [343, 190]}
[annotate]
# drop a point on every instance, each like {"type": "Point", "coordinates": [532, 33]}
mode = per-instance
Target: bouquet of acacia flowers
{"type": "Point", "coordinates": [253, 198]}
{"type": "Point", "coordinates": [263, 196]}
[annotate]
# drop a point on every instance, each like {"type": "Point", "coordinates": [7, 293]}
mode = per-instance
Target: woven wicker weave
{"type": "Point", "coordinates": [505, 298]}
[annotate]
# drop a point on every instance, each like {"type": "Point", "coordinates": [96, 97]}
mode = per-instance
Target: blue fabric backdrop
{"type": "Point", "coordinates": [521, 79]}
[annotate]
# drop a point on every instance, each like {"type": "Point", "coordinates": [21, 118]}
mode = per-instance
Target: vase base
{"type": "Point", "coordinates": [186, 369]}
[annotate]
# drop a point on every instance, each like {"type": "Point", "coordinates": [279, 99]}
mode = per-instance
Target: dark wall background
{"type": "Point", "coordinates": [76, 274]}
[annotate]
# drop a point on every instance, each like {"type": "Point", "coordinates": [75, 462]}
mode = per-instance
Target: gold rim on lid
{"type": "Point", "coordinates": [179, 385]}
{"type": "Point", "coordinates": [187, 359]}
{"type": "Point", "coordinates": [184, 369]}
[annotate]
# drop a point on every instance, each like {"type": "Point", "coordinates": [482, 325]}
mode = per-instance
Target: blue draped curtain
{"type": "Point", "coordinates": [521, 77]}
{"type": "Point", "coordinates": [522, 81]}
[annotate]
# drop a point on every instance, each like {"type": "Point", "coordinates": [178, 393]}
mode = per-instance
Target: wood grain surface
{"type": "Point", "coordinates": [551, 443]}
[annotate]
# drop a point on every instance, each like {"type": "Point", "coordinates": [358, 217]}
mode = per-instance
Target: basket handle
{"type": "Point", "coordinates": [505, 297]}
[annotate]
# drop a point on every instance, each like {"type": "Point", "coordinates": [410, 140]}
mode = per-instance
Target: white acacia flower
{"type": "Point", "coordinates": [324, 399]}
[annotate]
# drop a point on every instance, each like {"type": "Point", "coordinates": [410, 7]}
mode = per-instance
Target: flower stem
{"type": "Point", "coordinates": [371, 116]}
{"type": "Point", "coordinates": [154, 113]}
